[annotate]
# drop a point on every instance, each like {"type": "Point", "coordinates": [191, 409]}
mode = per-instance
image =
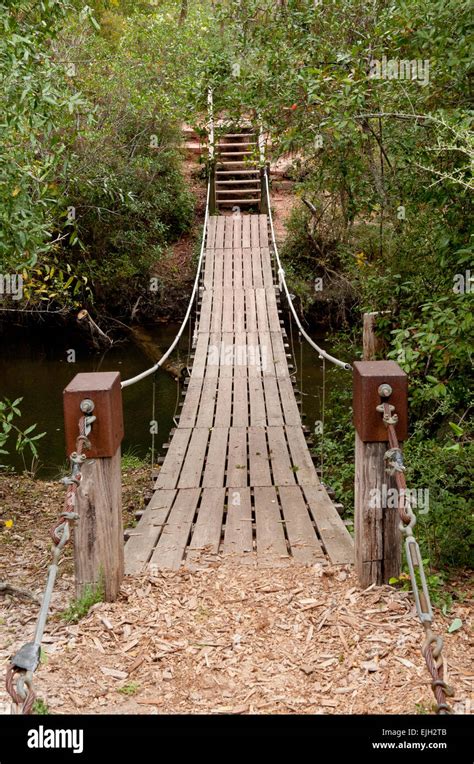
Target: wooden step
{"type": "Point", "coordinates": [235, 181]}
{"type": "Point", "coordinates": [238, 191]}
{"type": "Point", "coordinates": [235, 153]}
{"type": "Point", "coordinates": [238, 135]}
{"type": "Point", "coordinates": [235, 145]}
{"type": "Point", "coordinates": [228, 163]}
{"type": "Point", "coordinates": [238, 172]}
{"type": "Point", "coordinates": [239, 201]}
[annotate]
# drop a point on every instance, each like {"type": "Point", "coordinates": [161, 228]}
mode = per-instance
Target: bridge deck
{"type": "Point", "coordinates": [238, 478]}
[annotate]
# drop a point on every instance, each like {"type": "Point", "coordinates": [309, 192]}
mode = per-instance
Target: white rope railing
{"type": "Point", "coordinates": [282, 283]}
{"type": "Point", "coordinates": [152, 369]}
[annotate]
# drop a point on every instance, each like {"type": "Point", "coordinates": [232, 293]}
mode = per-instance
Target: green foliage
{"type": "Point", "coordinates": [131, 688]}
{"type": "Point", "coordinates": [80, 607]}
{"type": "Point", "coordinates": [25, 439]}
{"type": "Point", "coordinates": [40, 708]}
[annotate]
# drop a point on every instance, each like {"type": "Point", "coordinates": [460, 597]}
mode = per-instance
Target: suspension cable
{"type": "Point", "coordinates": [152, 369]}
{"type": "Point", "coordinates": [282, 282]}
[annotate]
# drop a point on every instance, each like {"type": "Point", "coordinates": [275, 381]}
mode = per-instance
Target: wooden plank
{"type": "Point", "coordinates": [205, 417]}
{"type": "Point", "coordinates": [240, 368]}
{"type": "Point", "coordinates": [263, 227]}
{"type": "Point", "coordinates": [240, 417]}
{"type": "Point", "coordinates": [258, 414]}
{"type": "Point", "coordinates": [145, 535]}
{"type": "Point", "coordinates": [229, 232]}
{"type": "Point", "coordinates": [304, 544]}
{"type": "Point", "coordinates": [211, 232]}
{"type": "Point", "coordinates": [303, 465]}
{"type": "Point", "coordinates": [259, 464]}
{"type": "Point", "coordinates": [272, 310]}
{"type": "Point", "coordinates": [238, 269]}
{"type": "Point", "coordinates": [332, 531]}
{"type": "Point", "coordinates": [247, 267]}
{"type": "Point", "coordinates": [238, 540]}
{"type": "Point", "coordinates": [214, 469]}
{"type": "Point", "coordinates": [200, 357]}
{"type": "Point", "coordinates": [193, 465]}
{"type": "Point", "coordinates": [254, 231]}
{"type": "Point", "coordinates": [206, 536]}
{"type": "Point", "coordinates": [288, 403]}
{"type": "Point", "coordinates": [262, 309]}
{"type": "Point", "coordinates": [213, 356]}
{"type": "Point", "coordinates": [204, 324]}
{"type": "Point", "coordinates": [250, 310]}
{"type": "Point", "coordinates": [237, 222]}
{"type": "Point", "coordinates": [271, 542]}
{"type": "Point", "coordinates": [208, 268]}
{"type": "Point", "coordinates": [257, 267]}
{"type": "Point", "coordinates": [170, 548]}
{"type": "Point", "coordinates": [272, 402]}
{"type": "Point", "coordinates": [246, 242]}
{"type": "Point", "coordinates": [190, 409]}
{"type": "Point", "coordinates": [169, 472]}
{"type": "Point", "coordinates": [223, 402]}
{"type": "Point", "coordinates": [266, 355]}
{"type": "Point", "coordinates": [267, 268]}
{"type": "Point", "coordinates": [237, 468]}
{"type": "Point", "coordinates": [279, 356]}
{"type": "Point", "coordinates": [217, 310]}
{"type": "Point", "coordinates": [279, 457]}
{"type": "Point", "coordinates": [239, 310]}
{"type": "Point", "coordinates": [218, 282]}
{"type": "Point", "coordinates": [220, 231]}
{"type": "Point", "coordinates": [228, 310]}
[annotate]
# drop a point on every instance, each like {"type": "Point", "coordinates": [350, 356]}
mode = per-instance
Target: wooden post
{"type": "Point", "coordinates": [263, 192]}
{"type": "Point", "coordinates": [98, 534]}
{"type": "Point", "coordinates": [376, 519]}
{"type": "Point", "coordinates": [371, 344]}
{"type": "Point", "coordinates": [212, 190]}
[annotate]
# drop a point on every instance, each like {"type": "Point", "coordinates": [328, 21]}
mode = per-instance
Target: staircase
{"type": "Point", "coordinates": [237, 170]}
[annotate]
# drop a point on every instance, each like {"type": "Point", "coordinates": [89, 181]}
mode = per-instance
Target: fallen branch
{"type": "Point", "coordinates": [6, 588]}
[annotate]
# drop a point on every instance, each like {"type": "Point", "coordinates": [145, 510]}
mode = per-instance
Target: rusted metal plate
{"type": "Point", "coordinates": [104, 389]}
{"type": "Point", "coordinates": [367, 377]}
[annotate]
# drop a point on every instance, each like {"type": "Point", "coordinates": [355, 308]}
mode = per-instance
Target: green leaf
{"type": "Point", "coordinates": [456, 429]}
{"type": "Point", "coordinates": [455, 625]}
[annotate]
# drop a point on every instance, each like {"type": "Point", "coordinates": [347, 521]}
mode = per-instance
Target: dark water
{"type": "Point", "coordinates": [34, 366]}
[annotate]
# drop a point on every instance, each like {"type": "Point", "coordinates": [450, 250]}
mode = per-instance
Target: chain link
{"type": "Point", "coordinates": [19, 676]}
{"type": "Point", "coordinates": [433, 643]}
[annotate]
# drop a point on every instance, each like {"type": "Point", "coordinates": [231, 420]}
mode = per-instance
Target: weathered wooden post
{"type": "Point", "coordinates": [376, 519]}
{"type": "Point", "coordinates": [98, 534]}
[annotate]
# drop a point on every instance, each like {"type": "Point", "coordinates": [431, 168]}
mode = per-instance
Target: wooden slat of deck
{"type": "Point", "coordinates": [205, 314]}
{"type": "Point", "coordinates": [279, 457]}
{"type": "Point", "coordinates": [254, 231]}
{"type": "Point", "coordinates": [288, 402]}
{"type": "Point", "coordinates": [258, 413]}
{"type": "Point", "coordinates": [279, 355]}
{"type": "Point", "coordinates": [239, 310]}
{"type": "Point", "coordinates": [142, 541]}
{"type": "Point", "coordinates": [272, 402]}
{"type": "Point", "coordinates": [246, 241]}
{"type": "Point", "coordinates": [223, 413]}
{"type": "Point", "coordinates": [267, 268]}
{"type": "Point", "coordinates": [214, 468]}
{"type": "Point", "coordinates": [205, 417]}
{"type": "Point", "coordinates": [334, 534]}
{"type": "Point", "coordinates": [193, 467]}
{"type": "Point", "coordinates": [250, 310]}
{"type": "Point", "coordinates": [200, 358]}
{"type": "Point", "coordinates": [238, 536]}
{"type": "Point", "coordinates": [247, 267]}
{"type": "Point", "coordinates": [220, 231]}
{"type": "Point", "coordinates": [237, 222]}
{"type": "Point", "coordinates": [169, 473]}
{"type": "Point", "coordinates": [262, 310]}
{"type": "Point", "coordinates": [240, 417]}
{"type": "Point", "coordinates": [229, 233]}
{"type": "Point", "coordinates": [237, 474]}
{"type": "Point", "coordinates": [206, 536]}
{"type": "Point", "coordinates": [259, 463]}
{"type": "Point", "coordinates": [271, 542]}
{"type": "Point", "coordinates": [256, 267]}
{"type": "Point", "coordinates": [170, 548]}
{"type": "Point", "coordinates": [263, 226]}
{"type": "Point", "coordinates": [211, 232]}
{"type": "Point", "coordinates": [304, 544]}
{"type": "Point", "coordinates": [228, 310]}
{"type": "Point", "coordinates": [238, 269]}
{"type": "Point", "coordinates": [304, 468]}
{"type": "Point", "coordinates": [190, 408]}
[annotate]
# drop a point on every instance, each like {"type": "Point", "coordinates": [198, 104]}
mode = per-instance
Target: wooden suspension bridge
{"type": "Point", "coordinates": [238, 478]}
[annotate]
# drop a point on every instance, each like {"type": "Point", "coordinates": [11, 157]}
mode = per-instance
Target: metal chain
{"type": "Point", "coordinates": [19, 677]}
{"type": "Point", "coordinates": [433, 644]}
